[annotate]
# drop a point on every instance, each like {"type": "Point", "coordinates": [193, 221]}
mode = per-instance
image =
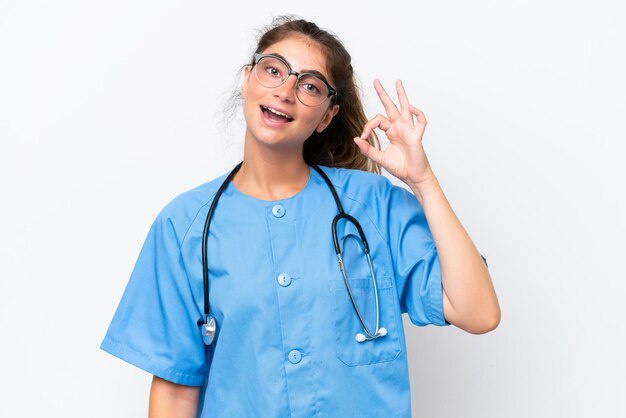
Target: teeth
{"type": "Point", "coordinates": [276, 112]}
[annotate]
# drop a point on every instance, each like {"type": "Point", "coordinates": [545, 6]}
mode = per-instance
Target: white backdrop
{"type": "Point", "coordinates": [110, 109]}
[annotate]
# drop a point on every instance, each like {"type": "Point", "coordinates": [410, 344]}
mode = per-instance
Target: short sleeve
{"type": "Point", "coordinates": [155, 325]}
{"type": "Point", "coordinates": [416, 263]}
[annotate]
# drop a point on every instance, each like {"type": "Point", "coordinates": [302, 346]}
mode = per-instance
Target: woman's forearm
{"type": "Point", "coordinates": [170, 400]}
{"type": "Point", "coordinates": [470, 300]}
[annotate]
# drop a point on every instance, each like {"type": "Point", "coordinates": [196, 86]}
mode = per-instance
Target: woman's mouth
{"type": "Point", "coordinates": [275, 115]}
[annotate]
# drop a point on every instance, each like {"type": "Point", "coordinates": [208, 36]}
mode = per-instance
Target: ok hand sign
{"type": "Point", "coordinates": [404, 157]}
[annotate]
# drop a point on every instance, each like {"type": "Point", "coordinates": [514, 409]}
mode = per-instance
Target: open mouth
{"type": "Point", "coordinates": [274, 115]}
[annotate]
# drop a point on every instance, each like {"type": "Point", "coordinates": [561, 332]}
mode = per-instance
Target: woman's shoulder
{"type": "Point", "coordinates": [184, 208]}
{"type": "Point", "coordinates": [364, 187]}
{"type": "Point", "coordinates": [358, 184]}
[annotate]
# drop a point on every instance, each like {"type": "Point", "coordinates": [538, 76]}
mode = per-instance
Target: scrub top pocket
{"type": "Point", "coordinates": [347, 325]}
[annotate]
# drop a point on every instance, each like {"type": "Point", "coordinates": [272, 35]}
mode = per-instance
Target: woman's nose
{"type": "Point", "coordinates": [287, 90]}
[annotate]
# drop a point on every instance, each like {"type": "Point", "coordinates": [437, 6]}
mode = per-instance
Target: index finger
{"type": "Point", "coordinates": [388, 104]}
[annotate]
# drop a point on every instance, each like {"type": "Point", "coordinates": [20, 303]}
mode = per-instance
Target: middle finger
{"type": "Point", "coordinates": [404, 100]}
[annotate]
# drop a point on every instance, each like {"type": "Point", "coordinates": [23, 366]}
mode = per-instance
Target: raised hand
{"type": "Point", "coordinates": [404, 157]}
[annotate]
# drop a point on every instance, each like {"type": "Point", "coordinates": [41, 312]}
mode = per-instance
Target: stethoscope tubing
{"type": "Point", "coordinates": [209, 326]}
{"type": "Point", "coordinates": [205, 235]}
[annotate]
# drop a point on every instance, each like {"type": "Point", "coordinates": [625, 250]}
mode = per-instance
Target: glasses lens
{"type": "Point", "coordinates": [271, 72]}
{"type": "Point", "coordinates": [311, 90]}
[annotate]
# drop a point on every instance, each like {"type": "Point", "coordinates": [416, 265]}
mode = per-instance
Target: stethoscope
{"type": "Point", "coordinates": [209, 327]}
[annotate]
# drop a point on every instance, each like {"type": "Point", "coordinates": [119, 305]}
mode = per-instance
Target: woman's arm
{"type": "Point", "coordinates": [170, 400]}
{"type": "Point", "coordinates": [469, 299]}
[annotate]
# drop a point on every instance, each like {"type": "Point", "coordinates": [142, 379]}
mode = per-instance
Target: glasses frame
{"type": "Point", "coordinates": [331, 90]}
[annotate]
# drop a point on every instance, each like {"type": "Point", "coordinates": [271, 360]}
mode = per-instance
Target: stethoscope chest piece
{"type": "Point", "coordinates": [208, 331]}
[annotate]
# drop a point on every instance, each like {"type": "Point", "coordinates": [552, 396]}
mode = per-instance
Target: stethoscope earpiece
{"type": "Point", "coordinates": [360, 337]}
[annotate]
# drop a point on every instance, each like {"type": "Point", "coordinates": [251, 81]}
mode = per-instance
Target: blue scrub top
{"type": "Point", "coordinates": [286, 328]}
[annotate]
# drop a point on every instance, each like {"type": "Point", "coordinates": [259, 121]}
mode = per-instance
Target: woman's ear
{"type": "Point", "coordinates": [328, 117]}
{"type": "Point", "coordinates": [244, 83]}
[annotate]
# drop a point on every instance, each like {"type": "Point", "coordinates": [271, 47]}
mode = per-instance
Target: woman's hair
{"type": "Point", "coordinates": [334, 146]}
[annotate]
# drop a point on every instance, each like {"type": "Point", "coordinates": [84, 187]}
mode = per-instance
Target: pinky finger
{"type": "Point", "coordinates": [419, 114]}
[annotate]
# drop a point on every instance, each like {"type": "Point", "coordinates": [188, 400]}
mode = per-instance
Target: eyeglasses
{"type": "Point", "coordinates": [312, 89]}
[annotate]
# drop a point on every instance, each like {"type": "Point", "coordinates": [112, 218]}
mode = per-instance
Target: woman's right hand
{"type": "Point", "coordinates": [170, 400]}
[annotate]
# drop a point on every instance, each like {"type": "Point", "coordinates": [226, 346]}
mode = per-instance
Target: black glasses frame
{"type": "Point", "coordinates": [331, 90]}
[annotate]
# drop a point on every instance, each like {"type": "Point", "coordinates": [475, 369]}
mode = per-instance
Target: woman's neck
{"type": "Point", "coordinates": [270, 175]}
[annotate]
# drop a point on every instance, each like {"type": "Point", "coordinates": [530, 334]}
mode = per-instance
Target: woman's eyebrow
{"type": "Point", "coordinates": [316, 73]}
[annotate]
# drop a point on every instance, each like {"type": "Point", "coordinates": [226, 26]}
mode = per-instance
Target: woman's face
{"type": "Point", "coordinates": [265, 126]}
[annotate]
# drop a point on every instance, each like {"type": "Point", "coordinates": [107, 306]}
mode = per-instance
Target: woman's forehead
{"type": "Point", "coordinates": [302, 54]}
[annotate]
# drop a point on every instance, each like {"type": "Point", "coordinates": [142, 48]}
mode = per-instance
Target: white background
{"type": "Point", "coordinates": [110, 109]}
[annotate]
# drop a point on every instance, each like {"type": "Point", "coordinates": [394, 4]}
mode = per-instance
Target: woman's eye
{"type": "Point", "coordinates": [273, 71]}
{"type": "Point", "coordinates": [310, 88]}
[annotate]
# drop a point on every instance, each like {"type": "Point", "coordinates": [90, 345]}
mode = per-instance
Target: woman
{"type": "Point", "coordinates": [296, 335]}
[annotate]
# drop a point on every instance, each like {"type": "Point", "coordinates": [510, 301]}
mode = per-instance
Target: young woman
{"type": "Point", "coordinates": [303, 316]}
